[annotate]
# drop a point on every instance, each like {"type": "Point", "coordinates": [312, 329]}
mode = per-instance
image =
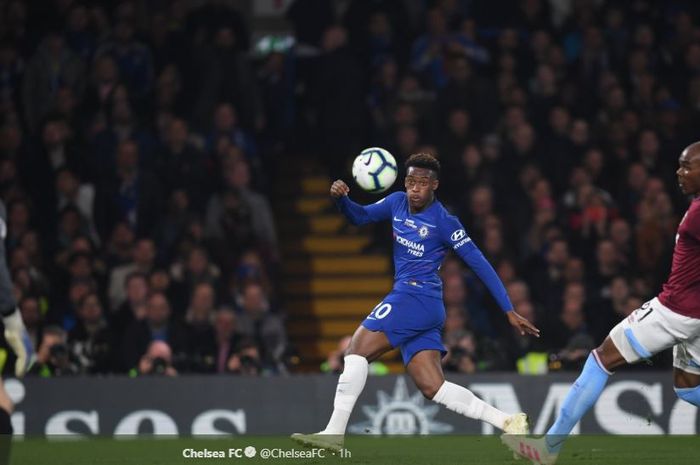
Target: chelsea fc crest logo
{"type": "Point", "coordinates": [423, 232]}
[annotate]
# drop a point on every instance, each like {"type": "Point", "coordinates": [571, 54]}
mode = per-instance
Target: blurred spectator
{"type": "Point", "coordinates": [335, 362]}
{"type": "Point", "coordinates": [133, 58]}
{"type": "Point", "coordinates": [455, 320]}
{"type": "Point", "coordinates": [277, 80]}
{"type": "Point", "coordinates": [231, 213]}
{"type": "Point", "coordinates": [573, 338]}
{"type": "Point", "coordinates": [53, 358]}
{"type": "Point", "coordinates": [133, 308]}
{"type": "Point", "coordinates": [246, 360]}
{"type": "Point", "coordinates": [455, 294]}
{"type": "Point", "coordinates": [78, 284]}
{"type": "Point", "coordinates": [78, 36]}
{"type": "Point", "coordinates": [181, 166]}
{"type": "Point", "coordinates": [100, 92]}
{"type": "Point", "coordinates": [226, 338]}
{"type": "Point", "coordinates": [71, 192]}
{"type": "Point", "coordinates": [468, 354]}
{"type": "Point", "coordinates": [157, 361]}
{"type": "Point", "coordinates": [466, 91]}
{"type": "Point", "coordinates": [265, 328]}
{"type": "Point", "coordinates": [337, 96]}
{"type": "Point", "coordinates": [52, 65]}
{"type": "Point", "coordinates": [91, 341]}
{"type": "Point", "coordinates": [225, 75]}
{"type": "Point", "coordinates": [199, 317]}
{"type": "Point", "coordinates": [123, 125]}
{"type": "Point", "coordinates": [156, 326]}
{"type": "Point", "coordinates": [143, 260]}
{"type": "Point", "coordinates": [12, 67]}
{"type": "Point", "coordinates": [130, 194]}
{"type": "Point", "coordinates": [33, 318]}
{"type": "Point", "coordinates": [227, 128]}
{"type": "Point", "coordinates": [193, 269]}
{"type": "Point", "coordinates": [547, 278]}
{"type": "Point", "coordinates": [119, 248]}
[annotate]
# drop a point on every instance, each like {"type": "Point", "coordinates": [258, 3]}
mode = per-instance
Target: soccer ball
{"type": "Point", "coordinates": [374, 170]}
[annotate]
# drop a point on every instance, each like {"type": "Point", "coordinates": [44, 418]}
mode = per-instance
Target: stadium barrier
{"type": "Point", "coordinates": [632, 403]}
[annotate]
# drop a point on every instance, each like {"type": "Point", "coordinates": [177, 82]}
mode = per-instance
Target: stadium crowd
{"type": "Point", "coordinates": [140, 236]}
{"type": "Point", "coordinates": [140, 142]}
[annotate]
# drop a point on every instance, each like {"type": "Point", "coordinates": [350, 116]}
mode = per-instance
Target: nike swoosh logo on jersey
{"type": "Point", "coordinates": [397, 219]}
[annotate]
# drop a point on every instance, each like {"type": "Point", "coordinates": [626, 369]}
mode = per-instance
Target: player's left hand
{"type": "Point", "coordinates": [522, 324]}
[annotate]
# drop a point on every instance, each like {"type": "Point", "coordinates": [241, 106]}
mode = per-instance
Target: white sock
{"type": "Point", "coordinates": [350, 385]}
{"type": "Point", "coordinates": [461, 400]}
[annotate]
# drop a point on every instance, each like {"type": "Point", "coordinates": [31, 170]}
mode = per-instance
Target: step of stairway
{"type": "Point", "coordinates": [324, 307]}
{"type": "Point", "coordinates": [352, 264]}
{"type": "Point", "coordinates": [322, 328]}
{"type": "Point", "coordinates": [316, 185]}
{"type": "Point", "coordinates": [327, 224]}
{"type": "Point", "coordinates": [327, 244]}
{"type": "Point", "coordinates": [347, 286]}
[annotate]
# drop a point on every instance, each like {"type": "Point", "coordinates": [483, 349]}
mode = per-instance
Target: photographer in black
{"type": "Point", "coordinates": [53, 357]}
{"type": "Point", "coordinates": [158, 360]}
{"type": "Point", "coordinates": [246, 360]}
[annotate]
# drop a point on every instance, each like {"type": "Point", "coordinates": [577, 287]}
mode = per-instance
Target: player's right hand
{"type": "Point", "coordinates": [522, 324]}
{"type": "Point", "coordinates": [339, 189]}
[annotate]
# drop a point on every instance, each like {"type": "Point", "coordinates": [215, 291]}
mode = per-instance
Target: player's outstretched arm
{"type": "Point", "coordinates": [355, 213]}
{"type": "Point", "coordinates": [455, 236]}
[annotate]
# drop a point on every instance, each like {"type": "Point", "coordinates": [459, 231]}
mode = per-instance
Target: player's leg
{"type": "Point", "coordinates": [582, 395]}
{"type": "Point", "coordinates": [686, 371]}
{"type": "Point", "coordinates": [426, 370]}
{"type": "Point", "coordinates": [365, 346]}
{"type": "Point", "coordinates": [585, 390]}
{"type": "Point", "coordinates": [6, 408]}
{"type": "Point", "coordinates": [647, 331]}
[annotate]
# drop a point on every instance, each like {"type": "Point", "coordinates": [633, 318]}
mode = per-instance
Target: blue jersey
{"type": "Point", "coordinates": [421, 241]}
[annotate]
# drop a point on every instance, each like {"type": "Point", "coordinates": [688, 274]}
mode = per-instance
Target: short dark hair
{"type": "Point", "coordinates": [135, 275]}
{"type": "Point", "coordinates": [424, 160]}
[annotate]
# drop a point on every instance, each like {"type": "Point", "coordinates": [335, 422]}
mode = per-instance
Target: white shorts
{"type": "Point", "coordinates": [653, 328]}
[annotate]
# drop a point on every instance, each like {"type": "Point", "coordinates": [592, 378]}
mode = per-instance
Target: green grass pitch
{"type": "Point", "coordinates": [418, 450]}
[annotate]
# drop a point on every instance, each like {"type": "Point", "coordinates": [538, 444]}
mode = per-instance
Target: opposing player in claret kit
{"type": "Point", "coordinates": [411, 316]}
{"type": "Point", "coordinates": [672, 319]}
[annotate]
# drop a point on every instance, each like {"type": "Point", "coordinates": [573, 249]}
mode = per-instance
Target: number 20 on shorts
{"type": "Point", "coordinates": [380, 311]}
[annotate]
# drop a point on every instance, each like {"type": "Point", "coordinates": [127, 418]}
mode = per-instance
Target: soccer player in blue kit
{"type": "Point", "coordinates": [412, 315]}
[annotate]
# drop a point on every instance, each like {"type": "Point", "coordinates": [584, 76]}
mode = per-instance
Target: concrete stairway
{"type": "Point", "coordinates": [329, 284]}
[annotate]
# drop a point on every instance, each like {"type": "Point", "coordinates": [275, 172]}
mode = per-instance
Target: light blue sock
{"type": "Point", "coordinates": [690, 395]}
{"type": "Point", "coordinates": [581, 397]}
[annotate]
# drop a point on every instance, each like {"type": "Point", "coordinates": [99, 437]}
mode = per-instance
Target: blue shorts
{"type": "Point", "coordinates": [411, 322]}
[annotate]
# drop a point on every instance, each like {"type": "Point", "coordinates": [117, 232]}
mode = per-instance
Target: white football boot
{"type": "Point", "coordinates": [517, 423]}
{"type": "Point", "coordinates": [332, 442]}
{"type": "Point", "coordinates": [532, 449]}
